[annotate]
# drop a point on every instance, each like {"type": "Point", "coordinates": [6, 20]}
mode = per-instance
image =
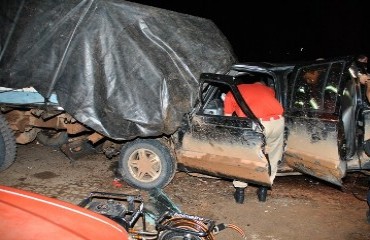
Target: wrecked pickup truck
{"type": "Point", "coordinates": [139, 92]}
{"type": "Point", "coordinates": [326, 136]}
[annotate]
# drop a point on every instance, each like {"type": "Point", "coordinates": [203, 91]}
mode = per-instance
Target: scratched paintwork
{"type": "Point", "coordinates": [312, 148]}
{"type": "Point", "coordinates": [225, 148]}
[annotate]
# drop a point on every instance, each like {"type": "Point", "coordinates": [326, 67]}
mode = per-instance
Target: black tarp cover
{"type": "Point", "coordinates": [121, 68]}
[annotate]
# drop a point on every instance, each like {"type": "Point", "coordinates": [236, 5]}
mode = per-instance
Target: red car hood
{"type": "Point", "coordinates": [26, 215]}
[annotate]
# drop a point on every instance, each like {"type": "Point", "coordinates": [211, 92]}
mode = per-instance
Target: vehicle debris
{"type": "Point", "coordinates": [166, 219]}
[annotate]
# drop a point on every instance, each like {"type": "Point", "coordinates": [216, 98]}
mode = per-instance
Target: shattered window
{"type": "Point", "coordinates": [309, 93]}
{"type": "Point", "coordinates": [332, 87]}
{"type": "Point", "coordinates": [317, 88]}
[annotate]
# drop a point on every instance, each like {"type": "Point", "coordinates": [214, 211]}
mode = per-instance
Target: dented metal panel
{"type": "Point", "coordinates": [321, 139]}
{"type": "Point", "coordinates": [222, 146]}
{"type": "Point", "coordinates": [312, 148]}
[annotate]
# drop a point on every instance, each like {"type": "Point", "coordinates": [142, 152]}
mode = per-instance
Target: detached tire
{"type": "Point", "coordinates": [7, 145]}
{"type": "Point", "coordinates": [147, 164]}
{"type": "Point", "coordinates": [52, 138]}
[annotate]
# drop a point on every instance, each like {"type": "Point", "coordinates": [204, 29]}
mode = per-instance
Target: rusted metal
{"type": "Point", "coordinates": [77, 148]}
{"type": "Point", "coordinates": [95, 137]}
{"type": "Point", "coordinates": [26, 136]}
{"type": "Point", "coordinates": [76, 127]}
{"type": "Point", "coordinates": [20, 120]}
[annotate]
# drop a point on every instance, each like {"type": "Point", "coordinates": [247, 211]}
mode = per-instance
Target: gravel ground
{"type": "Point", "coordinates": [298, 207]}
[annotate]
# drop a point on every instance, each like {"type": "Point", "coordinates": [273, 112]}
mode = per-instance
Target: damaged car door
{"type": "Point", "coordinates": [321, 117]}
{"type": "Point", "coordinates": [223, 146]}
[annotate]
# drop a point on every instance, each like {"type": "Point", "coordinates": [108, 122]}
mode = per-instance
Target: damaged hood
{"type": "Point", "coordinates": [121, 68]}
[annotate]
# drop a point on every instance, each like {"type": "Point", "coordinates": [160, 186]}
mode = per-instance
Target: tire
{"type": "Point", "coordinates": [52, 138]}
{"type": "Point", "coordinates": [146, 164]}
{"type": "Point", "coordinates": [8, 146]}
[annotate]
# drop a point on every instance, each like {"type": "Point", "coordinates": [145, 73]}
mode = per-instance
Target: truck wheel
{"type": "Point", "coordinates": [146, 164]}
{"type": "Point", "coordinates": [52, 138]}
{"type": "Point", "coordinates": [7, 145]}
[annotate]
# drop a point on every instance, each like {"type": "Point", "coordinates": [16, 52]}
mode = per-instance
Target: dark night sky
{"type": "Point", "coordinates": [284, 30]}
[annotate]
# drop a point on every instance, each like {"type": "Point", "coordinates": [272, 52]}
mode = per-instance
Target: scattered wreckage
{"type": "Point", "coordinates": [153, 96]}
{"type": "Point", "coordinates": [101, 216]}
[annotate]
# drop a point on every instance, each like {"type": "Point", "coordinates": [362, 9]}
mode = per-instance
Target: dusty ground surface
{"type": "Point", "coordinates": [298, 207]}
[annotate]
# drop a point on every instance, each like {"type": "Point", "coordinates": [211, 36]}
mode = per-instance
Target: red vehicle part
{"type": "Point", "coordinates": [27, 215]}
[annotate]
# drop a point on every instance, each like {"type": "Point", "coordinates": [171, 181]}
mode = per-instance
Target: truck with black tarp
{"type": "Point", "coordinates": [112, 69]}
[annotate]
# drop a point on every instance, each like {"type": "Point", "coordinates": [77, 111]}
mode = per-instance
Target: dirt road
{"type": "Point", "coordinates": [299, 207]}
